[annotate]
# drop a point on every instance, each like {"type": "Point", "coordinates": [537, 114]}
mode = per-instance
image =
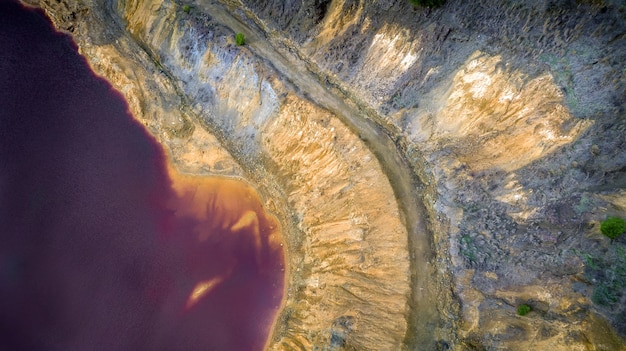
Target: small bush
{"type": "Point", "coordinates": [186, 8]}
{"type": "Point", "coordinates": [240, 39]}
{"type": "Point", "coordinates": [523, 309]}
{"type": "Point", "coordinates": [427, 3]}
{"type": "Point", "coordinates": [613, 227]}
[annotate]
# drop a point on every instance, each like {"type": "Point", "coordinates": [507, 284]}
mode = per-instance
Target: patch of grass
{"type": "Point", "coordinates": [604, 294]}
{"type": "Point", "coordinates": [583, 205]}
{"type": "Point", "coordinates": [468, 248]}
{"type": "Point", "coordinates": [609, 274]}
{"type": "Point", "coordinates": [186, 8]}
{"type": "Point", "coordinates": [589, 261]}
{"type": "Point", "coordinates": [549, 59]}
{"type": "Point", "coordinates": [240, 39]}
{"type": "Point", "coordinates": [523, 309]}
{"type": "Point", "coordinates": [605, 272]}
{"type": "Point", "coordinates": [562, 73]}
{"type": "Point", "coordinates": [613, 227]}
{"type": "Point", "coordinates": [427, 3]}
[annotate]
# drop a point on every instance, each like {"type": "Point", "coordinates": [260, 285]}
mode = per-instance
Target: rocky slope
{"type": "Point", "coordinates": [432, 168]}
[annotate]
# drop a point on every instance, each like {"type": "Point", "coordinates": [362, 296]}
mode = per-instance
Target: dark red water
{"type": "Point", "coordinates": [100, 249]}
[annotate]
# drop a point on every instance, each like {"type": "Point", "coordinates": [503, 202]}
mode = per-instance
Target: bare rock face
{"type": "Point", "coordinates": [356, 268]}
{"type": "Point", "coordinates": [432, 169]}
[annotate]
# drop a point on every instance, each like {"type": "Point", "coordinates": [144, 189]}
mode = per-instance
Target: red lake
{"type": "Point", "coordinates": [103, 246]}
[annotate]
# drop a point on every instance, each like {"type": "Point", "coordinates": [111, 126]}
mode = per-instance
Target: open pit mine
{"type": "Point", "coordinates": [312, 175]}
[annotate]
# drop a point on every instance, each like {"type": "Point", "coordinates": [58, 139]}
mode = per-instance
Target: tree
{"type": "Point", "coordinates": [523, 309]}
{"type": "Point", "coordinates": [613, 227]}
{"type": "Point", "coordinates": [240, 39]}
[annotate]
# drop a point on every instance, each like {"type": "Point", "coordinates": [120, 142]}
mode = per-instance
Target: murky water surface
{"type": "Point", "coordinates": [102, 245]}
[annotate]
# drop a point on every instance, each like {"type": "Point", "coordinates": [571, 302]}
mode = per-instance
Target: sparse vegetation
{"type": "Point", "coordinates": [609, 274]}
{"type": "Point", "coordinates": [606, 271]}
{"type": "Point", "coordinates": [613, 227]}
{"type": "Point", "coordinates": [240, 39]}
{"type": "Point", "coordinates": [427, 3]}
{"type": "Point", "coordinates": [523, 309]}
{"type": "Point", "coordinates": [468, 249]}
{"type": "Point", "coordinates": [186, 8]}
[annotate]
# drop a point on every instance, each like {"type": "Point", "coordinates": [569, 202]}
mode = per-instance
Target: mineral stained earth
{"type": "Point", "coordinates": [431, 168]}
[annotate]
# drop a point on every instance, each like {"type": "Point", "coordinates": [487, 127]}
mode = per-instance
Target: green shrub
{"type": "Point", "coordinates": [186, 8]}
{"type": "Point", "coordinates": [613, 227]}
{"type": "Point", "coordinates": [427, 3]}
{"type": "Point", "coordinates": [523, 309]}
{"type": "Point", "coordinates": [240, 39]}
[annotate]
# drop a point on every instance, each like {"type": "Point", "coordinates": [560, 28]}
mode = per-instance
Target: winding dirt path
{"type": "Point", "coordinates": [290, 64]}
